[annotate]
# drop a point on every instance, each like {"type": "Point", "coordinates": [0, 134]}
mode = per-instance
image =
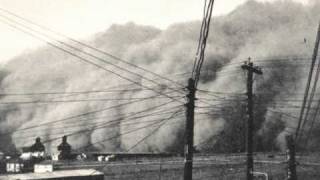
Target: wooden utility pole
{"type": "Point", "coordinates": [291, 153]}
{"type": "Point", "coordinates": [188, 161]}
{"type": "Point", "coordinates": [249, 145]}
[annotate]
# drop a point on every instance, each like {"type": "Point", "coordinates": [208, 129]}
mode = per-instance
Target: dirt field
{"type": "Point", "coordinates": [213, 167]}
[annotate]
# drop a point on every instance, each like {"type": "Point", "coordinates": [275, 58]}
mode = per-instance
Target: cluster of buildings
{"type": "Point", "coordinates": [34, 164]}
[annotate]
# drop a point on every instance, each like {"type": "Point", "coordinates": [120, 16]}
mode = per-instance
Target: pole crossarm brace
{"type": "Point", "coordinates": [249, 67]}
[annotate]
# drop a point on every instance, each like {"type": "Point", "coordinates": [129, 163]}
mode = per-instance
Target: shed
{"type": "Point", "coordinates": [14, 166]}
{"type": "Point", "coordinates": [78, 174]}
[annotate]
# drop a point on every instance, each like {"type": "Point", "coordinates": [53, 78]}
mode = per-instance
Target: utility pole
{"type": "Point", "coordinates": [249, 145]}
{"type": "Point", "coordinates": [291, 153]}
{"type": "Point", "coordinates": [188, 161]}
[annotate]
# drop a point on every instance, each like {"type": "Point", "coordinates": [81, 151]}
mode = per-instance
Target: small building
{"type": "Point", "coordinates": [14, 166]}
{"type": "Point", "coordinates": [2, 163]}
{"type": "Point", "coordinates": [1, 155]}
{"type": "Point", "coordinates": [79, 174]}
{"type": "Point", "coordinates": [43, 168]}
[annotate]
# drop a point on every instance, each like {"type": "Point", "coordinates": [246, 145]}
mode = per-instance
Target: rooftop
{"type": "Point", "coordinates": [54, 174]}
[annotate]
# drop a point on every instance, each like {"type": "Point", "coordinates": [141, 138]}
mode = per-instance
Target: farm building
{"type": "Point", "coordinates": [79, 174]}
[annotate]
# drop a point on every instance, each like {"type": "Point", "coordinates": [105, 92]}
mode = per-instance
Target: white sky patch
{"type": "Point", "coordinates": [82, 18]}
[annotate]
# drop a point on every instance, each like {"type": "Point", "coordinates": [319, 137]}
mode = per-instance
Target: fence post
{"type": "Point", "coordinates": [292, 173]}
{"type": "Point", "coordinates": [136, 169]}
{"type": "Point", "coordinates": [160, 168]}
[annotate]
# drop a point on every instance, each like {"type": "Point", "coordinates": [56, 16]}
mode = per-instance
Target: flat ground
{"type": "Point", "coordinates": [220, 167]}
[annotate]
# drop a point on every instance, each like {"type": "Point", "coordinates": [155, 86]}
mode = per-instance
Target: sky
{"type": "Point", "coordinates": [81, 18]}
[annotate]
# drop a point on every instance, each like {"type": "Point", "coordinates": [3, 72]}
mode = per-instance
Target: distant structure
{"type": "Point", "coordinates": [73, 174]}
{"type": "Point", "coordinates": [37, 146]}
{"type": "Point", "coordinates": [65, 149]}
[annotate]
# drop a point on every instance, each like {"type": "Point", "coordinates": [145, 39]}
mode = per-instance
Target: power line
{"type": "Point", "coordinates": [81, 100]}
{"type": "Point", "coordinates": [202, 41]}
{"type": "Point", "coordinates": [312, 96]}
{"type": "Point", "coordinates": [309, 132]}
{"type": "Point", "coordinates": [90, 62]}
{"type": "Point", "coordinates": [154, 131]}
{"type": "Point", "coordinates": [110, 89]}
{"type": "Point", "coordinates": [118, 118]}
{"type": "Point", "coordinates": [215, 92]}
{"type": "Point", "coordinates": [278, 58]}
{"type": "Point", "coordinates": [90, 47]}
{"type": "Point", "coordinates": [96, 128]}
{"type": "Point", "coordinates": [117, 136]}
{"type": "Point", "coordinates": [206, 141]}
{"type": "Point", "coordinates": [91, 55]}
{"type": "Point", "coordinates": [306, 95]}
{"type": "Point", "coordinates": [86, 128]}
{"type": "Point", "coordinates": [65, 96]}
{"type": "Point", "coordinates": [73, 92]}
{"type": "Point", "coordinates": [75, 116]}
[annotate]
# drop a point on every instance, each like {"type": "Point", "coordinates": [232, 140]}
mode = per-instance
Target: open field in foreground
{"type": "Point", "coordinates": [220, 167]}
